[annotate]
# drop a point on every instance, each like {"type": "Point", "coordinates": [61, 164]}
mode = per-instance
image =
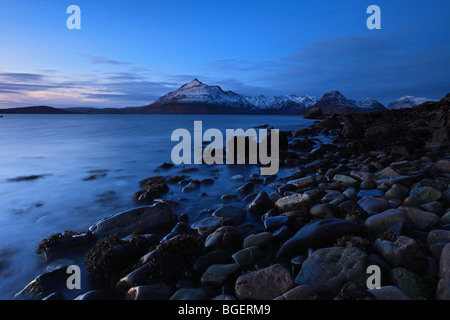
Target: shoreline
{"type": "Point", "coordinates": [377, 195]}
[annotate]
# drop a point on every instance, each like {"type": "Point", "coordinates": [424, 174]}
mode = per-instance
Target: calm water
{"type": "Point", "coordinates": [120, 150]}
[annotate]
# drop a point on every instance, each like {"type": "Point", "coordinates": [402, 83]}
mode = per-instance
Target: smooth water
{"type": "Point", "coordinates": [91, 166]}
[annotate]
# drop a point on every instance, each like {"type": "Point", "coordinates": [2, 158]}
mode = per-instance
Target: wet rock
{"type": "Point", "coordinates": [149, 292]}
{"type": "Point", "coordinates": [246, 189]}
{"type": "Point", "coordinates": [263, 284]}
{"type": "Point", "coordinates": [426, 194]}
{"type": "Point", "coordinates": [368, 184]}
{"type": "Point", "coordinates": [421, 220]}
{"type": "Point", "coordinates": [444, 262]}
{"type": "Point", "coordinates": [437, 240]}
{"type": "Point", "coordinates": [403, 180]}
{"type": "Point", "coordinates": [236, 215]}
{"type": "Point", "coordinates": [261, 204]}
{"type": "Point", "coordinates": [210, 258]}
{"type": "Point", "coordinates": [433, 207]}
{"type": "Point", "coordinates": [207, 226]}
{"type": "Point", "coordinates": [350, 193]}
{"type": "Point", "coordinates": [189, 294]}
{"type": "Point", "coordinates": [324, 211]}
{"type": "Point", "coordinates": [374, 204]}
{"type": "Point", "coordinates": [390, 293]}
{"type": "Point", "coordinates": [155, 218]}
{"type": "Point", "coordinates": [248, 256]}
{"type": "Point", "coordinates": [354, 291]}
{"type": "Point", "coordinates": [443, 288]}
{"type": "Point", "coordinates": [303, 182]}
{"type": "Point", "coordinates": [258, 240]}
{"type": "Point", "coordinates": [332, 195]}
{"type": "Point", "coordinates": [443, 165]}
{"type": "Point", "coordinates": [345, 181]}
{"type": "Point", "coordinates": [273, 223]}
{"type": "Point", "coordinates": [302, 292]}
{"type": "Point", "coordinates": [380, 223]}
{"type": "Point", "coordinates": [229, 197]}
{"type": "Point", "coordinates": [402, 252]}
{"type": "Point", "coordinates": [296, 201]}
{"type": "Point", "coordinates": [226, 238]}
{"type": "Point", "coordinates": [328, 269]}
{"type": "Point", "coordinates": [445, 219]}
{"type": "Point", "coordinates": [313, 113]}
{"type": "Point", "coordinates": [191, 186]}
{"type": "Point", "coordinates": [151, 192]}
{"type": "Point", "coordinates": [217, 274]}
{"type": "Point", "coordinates": [397, 192]}
{"type": "Point", "coordinates": [435, 183]}
{"type": "Point", "coordinates": [410, 283]}
{"type": "Point", "coordinates": [316, 234]}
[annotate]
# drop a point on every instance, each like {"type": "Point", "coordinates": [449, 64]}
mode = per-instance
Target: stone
{"type": "Point", "coordinates": [229, 197]}
{"type": "Point", "coordinates": [273, 223]}
{"type": "Point", "coordinates": [410, 283]}
{"type": "Point", "coordinates": [390, 293]}
{"type": "Point", "coordinates": [149, 292]}
{"type": "Point", "coordinates": [189, 294]}
{"type": "Point", "coordinates": [313, 113]}
{"type": "Point", "coordinates": [443, 288]}
{"type": "Point", "coordinates": [426, 194]}
{"type": "Point", "coordinates": [350, 193]}
{"type": "Point", "coordinates": [226, 238]}
{"type": "Point", "coordinates": [443, 165]}
{"type": "Point", "coordinates": [210, 258]}
{"type": "Point", "coordinates": [402, 252]}
{"type": "Point", "coordinates": [191, 186]}
{"type": "Point", "coordinates": [332, 195]}
{"type": "Point", "coordinates": [316, 234]}
{"type": "Point", "coordinates": [397, 192]}
{"type": "Point", "coordinates": [258, 240]}
{"type": "Point", "coordinates": [302, 292]}
{"type": "Point", "coordinates": [327, 270]}
{"type": "Point", "coordinates": [444, 261]}
{"type": "Point", "coordinates": [235, 214]}
{"type": "Point", "coordinates": [436, 183]}
{"type": "Point", "coordinates": [403, 180]}
{"type": "Point", "coordinates": [346, 181]}
{"type": "Point", "coordinates": [324, 211]}
{"type": "Point", "coordinates": [374, 204]}
{"type": "Point", "coordinates": [218, 274]}
{"type": "Point", "coordinates": [261, 204]}
{"type": "Point", "coordinates": [246, 189]}
{"type": "Point", "coordinates": [434, 207]}
{"type": "Point", "coordinates": [149, 219]}
{"type": "Point", "coordinates": [207, 226]}
{"type": "Point", "coordinates": [248, 256]}
{"type": "Point", "coordinates": [303, 182]}
{"type": "Point", "coordinates": [421, 220]}
{"type": "Point", "coordinates": [354, 291]}
{"type": "Point", "coordinates": [136, 277]}
{"type": "Point", "coordinates": [368, 184]}
{"type": "Point", "coordinates": [445, 219]}
{"type": "Point", "coordinates": [380, 223]}
{"type": "Point", "coordinates": [264, 284]}
{"type": "Point", "coordinates": [387, 173]}
{"type": "Point", "coordinates": [294, 202]}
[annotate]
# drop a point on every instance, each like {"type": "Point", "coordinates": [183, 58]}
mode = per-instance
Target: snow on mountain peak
{"type": "Point", "coordinates": [406, 102]}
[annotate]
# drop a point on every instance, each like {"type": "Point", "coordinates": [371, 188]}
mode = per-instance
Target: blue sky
{"type": "Point", "coordinates": [128, 53]}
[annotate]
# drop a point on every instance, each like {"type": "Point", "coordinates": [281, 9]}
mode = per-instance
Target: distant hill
{"type": "Point", "coordinates": [35, 110]}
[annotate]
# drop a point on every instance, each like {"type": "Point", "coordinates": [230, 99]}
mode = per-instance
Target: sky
{"type": "Point", "coordinates": [129, 53]}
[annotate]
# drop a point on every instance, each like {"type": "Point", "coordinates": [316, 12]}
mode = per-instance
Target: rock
{"type": "Point", "coordinates": [409, 282]}
{"type": "Point", "coordinates": [324, 211]}
{"type": "Point", "coordinates": [435, 183]}
{"type": "Point", "coordinates": [370, 193]}
{"type": "Point", "coordinates": [316, 234]}
{"type": "Point", "coordinates": [433, 207]}
{"type": "Point", "coordinates": [374, 204]}
{"type": "Point", "coordinates": [380, 223]}
{"type": "Point", "coordinates": [246, 189]}
{"type": "Point", "coordinates": [303, 182]}
{"type": "Point", "coordinates": [397, 192]}
{"type": "Point", "coordinates": [229, 197]}
{"type": "Point", "coordinates": [54, 296]}
{"type": "Point", "coordinates": [443, 288]}
{"type": "Point", "coordinates": [302, 292]}
{"type": "Point", "coordinates": [191, 186]}
{"type": "Point", "coordinates": [210, 258]}
{"type": "Point", "coordinates": [151, 192]}
{"type": "Point", "coordinates": [136, 277]}
{"type": "Point", "coordinates": [443, 165]}
{"type": "Point", "coordinates": [248, 256]}
{"type": "Point", "coordinates": [354, 291]}
{"type": "Point", "coordinates": [332, 195]}
{"type": "Point", "coordinates": [445, 219]}
{"type": "Point", "coordinates": [264, 284]}
{"type": "Point", "coordinates": [236, 215]}
{"type": "Point", "coordinates": [237, 177]}
{"type": "Point", "coordinates": [402, 252]}
{"type": "Point", "coordinates": [328, 269]}
{"type": "Point", "coordinates": [189, 294]}
{"type": "Point", "coordinates": [313, 113]}
{"type": "Point", "coordinates": [149, 219]}
{"type": "Point", "coordinates": [218, 274]}
{"type": "Point", "coordinates": [426, 194]}
{"type": "Point", "coordinates": [368, 184]}
{"type": "Point", "coordinates": [258, 240]}
{"type": "Point", "coordinates": [387, 173]}
{"type": "Point", "coordinates": [223, 297]}
{"type": "Point", "coordinates": [93, 295]}
{"type": "Point", "coordinates": [149, 292]}
{"type": "Point", "coordinates": [273, 223]}
{"type": "Point", "coordinates": [444, 261]}
{"type": "Point", "coordinates": [389, 293]}
{"type": "Point", "coordinates": [346, 181]}
{"type": "Point", "coordinates": [421, 220]}
{"type": "Point", "coordinates": [261, 204]}
{"type": "Point", "coordinates": [226, 238]}
{"type": "Point", "coordinates": [294, 202]}
{"type": "Point", "coordinates": [404, 180]}
{"type": "Point", "coordinates": [207, 226]}
{"type": "Point", "coordinates": [350, 193]}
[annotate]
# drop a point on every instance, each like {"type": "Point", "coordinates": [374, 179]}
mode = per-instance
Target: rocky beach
{"type": "Point", "coordinates": [376, 195]}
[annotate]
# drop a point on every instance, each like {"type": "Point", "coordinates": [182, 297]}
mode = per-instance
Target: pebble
{"type": "Point", "coordinates": [258, 240]}
{"type": "Point", "coordinates": [261, 204]}
{"type": "Point", "coordinates": [226, 238]}
{"type": "Point", "coordinates": [235, 214]}
{"type": "Point", "coordinates": [380, 223]}
{"type": "Point", "coordinates": [217, 274]}
{"type": "Point", "coordinates": [374, 204]}
{"type": "Point", "coordinates": [389, 293]}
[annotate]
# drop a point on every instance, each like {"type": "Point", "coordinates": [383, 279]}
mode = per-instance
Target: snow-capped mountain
{"type": "Point", "coordinates": [335, 102]}
{"type": "Point", "coordinates": [406, 102]}
{"type": "Point", "coordinates": [197, 97]}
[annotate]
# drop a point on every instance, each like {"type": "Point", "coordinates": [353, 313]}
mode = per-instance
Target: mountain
{"type": "Point", "coordinates": [406, 102]}
{"type": "Point", "coordinates": [35, 110]}
{"type": "Point", "coordinates": [196, 97]}
{"type": "Point", "coordinates": [335, 102]}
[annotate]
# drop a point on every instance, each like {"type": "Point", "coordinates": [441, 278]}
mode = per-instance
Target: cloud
{"type": "Point", "coordinates": [21, 77]}
{"type": "Point", "coordinates": [105, 60]}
